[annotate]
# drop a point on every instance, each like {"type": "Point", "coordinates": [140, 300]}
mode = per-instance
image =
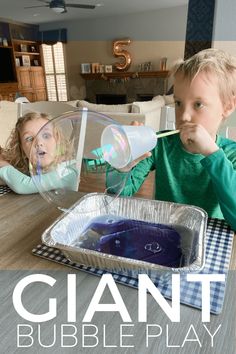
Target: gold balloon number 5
{"type": "Point", "coordinates": [121, 53]}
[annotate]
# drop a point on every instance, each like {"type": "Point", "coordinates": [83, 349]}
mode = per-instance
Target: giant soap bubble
{"type": "Point", "coordinates": [67, 160]}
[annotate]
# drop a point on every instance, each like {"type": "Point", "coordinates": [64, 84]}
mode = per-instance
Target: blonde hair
{"type": "Point", "coordinates": [211, 61]}
{"type": "Point", "coordinates": [13, 152]}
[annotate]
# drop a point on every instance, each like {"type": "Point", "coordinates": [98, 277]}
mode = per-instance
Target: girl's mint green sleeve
{"type": "Point", "coordinates": [23, 184]}
{"type": "Point", "coordinates": [223, 175]}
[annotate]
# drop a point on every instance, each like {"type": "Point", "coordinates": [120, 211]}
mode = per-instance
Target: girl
{"type": "Point", "coordinates": [40, 151]}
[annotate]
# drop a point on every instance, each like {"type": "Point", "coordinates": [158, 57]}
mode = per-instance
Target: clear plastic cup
{"type": "Point", "coordinates": [124, 144]}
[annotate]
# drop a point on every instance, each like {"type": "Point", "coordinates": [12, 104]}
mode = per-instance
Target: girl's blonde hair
{"type": "Point", "coordinates": [13, 152]}
{"type": "Point", "coordinates": [211, 61]}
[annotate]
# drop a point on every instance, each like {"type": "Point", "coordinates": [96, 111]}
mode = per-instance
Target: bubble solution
{"type": "Point", "coordinates": [135, 239]}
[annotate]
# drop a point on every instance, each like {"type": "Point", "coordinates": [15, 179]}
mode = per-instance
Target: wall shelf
{"type": "Point", "coordinates": [26, 53]}
{"type": "Point", "coordinates": [19, 41]}
{"type": "Point", "coordinates": [5, 46]}
{"type": "Point", "coordinates": [26, 47]}
{"type": "Point", "coordinates": [22, 65]}
{"type": "Point", "coordinates": [125, 75]}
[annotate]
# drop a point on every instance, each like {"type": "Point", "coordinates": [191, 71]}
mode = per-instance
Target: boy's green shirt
{"type": "Point", "coordinates": [182, 177]}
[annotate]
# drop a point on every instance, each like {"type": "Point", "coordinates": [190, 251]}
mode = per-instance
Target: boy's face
{"type": "Point", "coordinates": [198, 101]}
{"type": "Point", "coordinates": [44, 146]}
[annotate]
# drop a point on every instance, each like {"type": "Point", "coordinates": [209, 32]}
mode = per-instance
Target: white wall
{"type": "Point", "coordinates": [224, 29]}
{"type": "Point", "coordinates": [224, 34]}
{"type": "Point", "coordinates": [153, 34]}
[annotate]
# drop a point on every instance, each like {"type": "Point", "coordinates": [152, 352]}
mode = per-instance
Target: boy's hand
{"type": "Point", "coordinates": [136, 123]}
{"type": "Point", "coordinates": [197, 140]}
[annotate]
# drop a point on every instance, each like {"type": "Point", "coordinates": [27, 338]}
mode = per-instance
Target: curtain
{"type": "Point", "coordinates": [53, 36]}
{"type": "Point", "coordinates": [199, 26]}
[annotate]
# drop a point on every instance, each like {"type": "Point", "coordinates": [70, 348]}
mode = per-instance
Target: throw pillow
{"type": "Point", "coordinates": [72, 103]}
{"type": "Point", "coordinates": [147, 106]}
{"type": "Point", "coordinates": [169, 99]}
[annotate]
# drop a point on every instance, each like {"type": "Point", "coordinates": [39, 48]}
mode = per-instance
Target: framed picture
{"type": "Point", "coordinates": [36, 62]}
{"type": "Point", "coordinates": [108, 68]}
{"type": "Point", "coordinates": [26, 60]}
{"type": "Point", "coordinates": [17, 61]}
{"type": "Point", "coordinates": [101, 68]}
{"type": "Point", "coordinates": [5, 42]}
{"type": "Point", "coordinates": [23, 48]}
{"type": "Point", "coordinates": [95, 68]}
{"type": "Point", "coordinates": [33, 49]}
{"type": "Point", "coordinates": [85, 68]}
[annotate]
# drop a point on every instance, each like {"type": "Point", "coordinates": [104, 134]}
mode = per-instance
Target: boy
{"type": "Point", "coordinates": [196, 166]}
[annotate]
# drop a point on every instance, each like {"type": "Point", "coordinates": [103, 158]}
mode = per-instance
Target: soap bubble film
{"type": "Point", "coordinates": [67, 157]}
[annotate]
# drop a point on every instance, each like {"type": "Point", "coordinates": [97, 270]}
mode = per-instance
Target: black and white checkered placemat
{"type": "Point", "coordinates": [4, 190]}
{"type": "Point", "coordinates": [219, 240]}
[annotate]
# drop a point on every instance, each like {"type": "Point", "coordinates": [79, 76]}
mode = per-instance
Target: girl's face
{"type": "Point", "coordinates": [44, 146]}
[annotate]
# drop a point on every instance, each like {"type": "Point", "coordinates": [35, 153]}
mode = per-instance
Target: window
{"type": "Point", "coordinates": [54, 64]}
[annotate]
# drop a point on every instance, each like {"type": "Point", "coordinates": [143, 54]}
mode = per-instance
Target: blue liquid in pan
{"type": "Point", "coordinates": [150, 242]}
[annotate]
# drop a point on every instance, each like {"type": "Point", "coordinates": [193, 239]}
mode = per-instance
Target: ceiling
{"type": "Point", "coordinates": [14, 9]}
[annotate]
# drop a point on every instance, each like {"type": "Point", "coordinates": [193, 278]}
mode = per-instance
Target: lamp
{"type": "Point", "coordinates": [57, 6]}
{"type": "Point", "coordinates": [58, 10]}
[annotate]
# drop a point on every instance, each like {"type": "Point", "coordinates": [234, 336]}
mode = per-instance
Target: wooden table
{"type": "Point", "coordinates": [22, 221]}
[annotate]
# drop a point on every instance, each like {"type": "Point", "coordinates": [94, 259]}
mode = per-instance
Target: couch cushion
{"type": "Point", "coordinates": [169, 99]}
{"type": "Point", "coordinates": [148, 106]}
{"type": "Point", "coordinates": [72, 103]}
{"type": "Point", "coordinates": [8, 118]}
{"type": "Point", "coordinates": [53, 108]}
{"type": "Point", "coordinates": [126, 119]}
{"type": "Point", "coordinates": [123, 108]}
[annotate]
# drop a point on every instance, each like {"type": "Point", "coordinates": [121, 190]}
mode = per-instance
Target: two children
{"type": "Point", "coordinates": [196, 166]}
{"type": "Point", "coordinates": [44, 152]}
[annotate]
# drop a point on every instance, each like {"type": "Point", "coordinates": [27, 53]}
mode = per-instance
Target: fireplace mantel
{"type": "Point", "coordinates": [132, 84]}
{"type": "Point", "coordinates": [125, 74]}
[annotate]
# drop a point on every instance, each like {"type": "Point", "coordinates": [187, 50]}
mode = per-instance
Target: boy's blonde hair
{"type": "Point", "coordinates": [13, 152]}
{"type": "Point", "coordinates": [211, 61]}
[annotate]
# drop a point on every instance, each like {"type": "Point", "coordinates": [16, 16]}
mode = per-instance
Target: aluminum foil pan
{"type": "Point", "coordinates": [190, 222]}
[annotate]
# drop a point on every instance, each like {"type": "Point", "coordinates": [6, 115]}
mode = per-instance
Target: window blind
{"type": "Point", "coordinates": [54, 64]}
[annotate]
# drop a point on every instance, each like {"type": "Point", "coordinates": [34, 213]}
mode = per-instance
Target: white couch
{"type": "Point", "coordinates": [147, 112]}
{"type": "Point", "coordinates": [8, 118]}
{"type": "Point", "coordinates": [10, 111]}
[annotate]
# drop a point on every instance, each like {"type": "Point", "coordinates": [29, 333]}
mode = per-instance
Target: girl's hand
{"type": "Point", "coordinates": [3, 162]}
{"type": "Point", "coordinates": [197, 140]}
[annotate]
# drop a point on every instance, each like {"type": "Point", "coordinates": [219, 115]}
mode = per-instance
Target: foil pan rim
{"type": "Point", "coordinates": [128, 263]}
